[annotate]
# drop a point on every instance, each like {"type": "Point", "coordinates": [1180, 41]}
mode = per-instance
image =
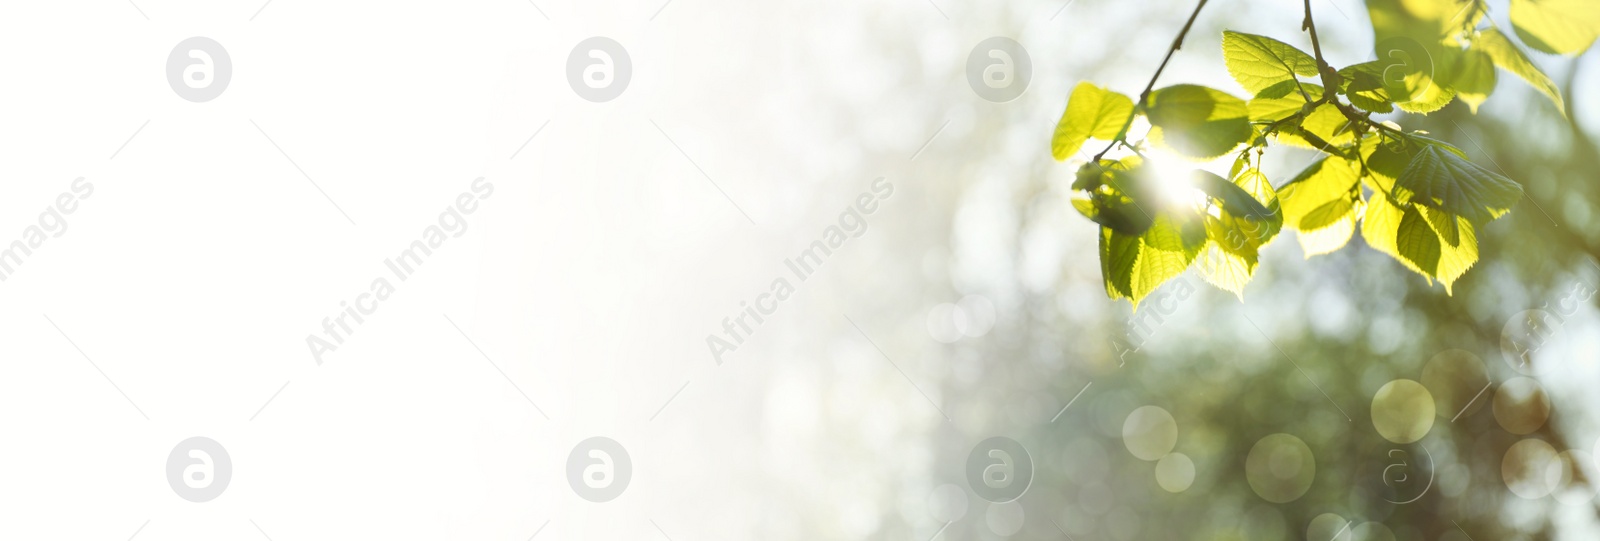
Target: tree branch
{"type": "Point", "coordinates": [1144, 97]}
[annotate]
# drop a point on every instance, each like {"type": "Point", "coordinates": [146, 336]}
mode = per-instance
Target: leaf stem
{"type": "Point", "coordinates": [1144, 97]}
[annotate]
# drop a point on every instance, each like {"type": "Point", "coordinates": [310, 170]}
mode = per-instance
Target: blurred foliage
{"type": "Point", "coordinates": [1416, 197]}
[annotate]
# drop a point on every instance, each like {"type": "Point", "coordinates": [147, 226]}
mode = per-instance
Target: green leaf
{"type": "Point", "coordinates": [1386, 160]}
{"type": "Point", "coordinates": [1440, 178]}
{"type": "Point", "coordinates": [1167, 249]}
{"type": "Point", "coordinates": [1475, 77]}
{"type": "Point", "coordinates": [1198, 122]}
{"type": "Point", "coordinates": [1270, 106]}
{"type": "Point", "coordinates": [1091, 112]}
{"type": "Point", "coordinates": [1321, 195]}
{"type": "Point", "coordinates": [1380, 225]}
{"type": "Point", "coordinates": [1417, 243]}
{"type": "Point", "coordinates": [1259, 62]}
{"type": "Point", "coordinates": [1329, 238]}
{"type": "Point", "coordinates": [1227, 269]}
{"type": "Point", "coordinates": [1327, 123]}
{"type": "Point", "coordinates": [1412, 237]}
{"type": "Point", "coordinates": [1426, 21]}
{"type": "Point", "coordinates": [1233, 242]}
{"type": "Point", "coordinates": [1262, 230]}
{"type": "Point", "coordinates": [1509, 57]}
{"type": "Point", "coordinates": [1556, 26]}
{"type": "Point", "coordinates": [1118, 254]}
{"type": "Point", "coordinates": [1116, 194]}
{"type": "Point", "coordinates": [1234, 199]}
{"type": "Point", "coordinates": [1363, 84]}
{"type": "Point", "coordinates": [1442, 223]}
{"type": "Point", "coordinates": [1455, 260]}
{"type": "Point", "coordinates": [1411, 73]}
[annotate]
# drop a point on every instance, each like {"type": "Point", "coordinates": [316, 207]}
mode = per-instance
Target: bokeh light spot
{"type": "Point", "coordinates": [948, 503]}
{"type": "Point", "coordinates": [1280, 468]}
{"type": "Point", "coordinates": [1403, 411]}
{"type": "Point", "coordinates": [1004, 519]}
{"type": "Point", "coordinates": [1175, 472]}
{"type": "Point", "coordinates": [1565, 477]}
{"type": "Point", "coordinates": [1150, 433]}
{"type": "Point", "coordinates": [1330, 527]}
{"type": "Point", "coordinates": [1521, 406]}
{"type": "Point", "coordinates": [1524, 468]}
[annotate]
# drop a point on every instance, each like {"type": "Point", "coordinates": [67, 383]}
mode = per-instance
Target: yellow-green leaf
{"type": "Point", "coordinates": [1198, 122]}
{"type": "Point", "coordinates": [1166, 250]}
{"type": "Point", "coordinates": [1454, 261]}
{"type": "Point", "coordinates": [1509, 57]}
{"type": "Point", "coordinates": [1228, 270]}
{"type": "Point", "coordinates": [1380, 224]}
{"type": "Point", "coordinates": [1417, 242]}
{"type": "Point", "coordinates": [1326, 123]}
{"type": "Point", "coordinates": [1442, 179]}
{"type": "Point", "coordinates": [1091, 112]}
{"type": "Point", "coordinates": [1474, 77]}
{"type": "Point", "coordinates": [1268, 106]}
{"type": "Point", "coordinates": [1259, 62]}
{"type": "Point", "coordinates": [1330, 238]}
{"type": "Point", "coordinates": [1363, 84]}
{"type": "Point", "coordinates": [1556, 26]}
{"type": "Point", "coordinates": [1321, 195]}
{"type": "Point", "coordinates": [1118, 254]}
{"type": "Point", "coordinates": [1410, 237]}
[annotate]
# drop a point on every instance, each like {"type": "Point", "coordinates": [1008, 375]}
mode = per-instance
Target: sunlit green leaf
{"type": "Point", "coordinates": [1417, 243]}
{"type": "Point", "coordinates": [1556, 26]}
{"type": "Point", "coordinates": [1234, 199]}
{"type": "Point", "coordinates": [1455, 260]}
{"type": "Point", "coordinates": [1363, 85]}
{"type": "Point", "coordinates": [1320, 195]}
{"type": "Point", "coordinates": [1091, 112]}
{"type": "Point", "coordinates": [1118, 254]}
{"type": "Point", "coordinates": [1270, 106]}
{"type": "Point", "coordinates": [1474, 77]}
{"type": "Point", "coordinates": [1259, 62]}
{"type": "Point", "coordinates": [1408, 236]}
{"type": "Point", "coordinates": [1198, 122]}
{"type": "Point", "coordinates": [1443, 223]}
{"type": "Point", "coordinates": [1509, 57]}
{"type": "Point", "coordinates": [1380, 225]}
{"type": "Point", "coordinates": [1329, 238]}
{"type": "Point", "coordinates": [1440, 178]}
{"type": "Point", "coordinates": [1326, 123]}
{"type": "Point", "coordinates": [1229, 270]}
{"type": "Point", "coordinates": [1166, 250]}
{"type": "Point", "coordinates": [1262, 229]}
{"type": "Point", "coordinates": [1115, 195]}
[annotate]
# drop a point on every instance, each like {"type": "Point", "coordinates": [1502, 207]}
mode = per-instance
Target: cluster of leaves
{"type": "Point", "coordinates": [1413, 197]}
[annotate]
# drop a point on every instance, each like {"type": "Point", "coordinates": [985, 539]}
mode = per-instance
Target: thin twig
{"type": "Point", "coordinates": [1144, 97]}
